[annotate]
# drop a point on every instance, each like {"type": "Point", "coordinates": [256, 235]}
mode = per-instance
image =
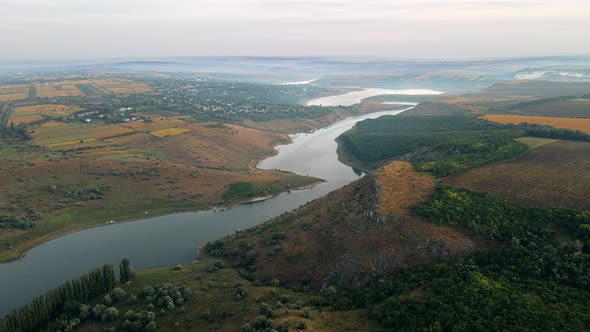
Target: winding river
{"type": "Point", "coordinates": [172, 239]}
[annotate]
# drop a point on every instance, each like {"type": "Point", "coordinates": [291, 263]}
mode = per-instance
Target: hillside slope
{"type": "Point", "coordinates": [350, 236]}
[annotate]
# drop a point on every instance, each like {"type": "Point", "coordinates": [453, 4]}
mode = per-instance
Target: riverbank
{"type": "Point", "coordinates": [141, 211]}
{"type": "Point", "coordinates": [139, 215]}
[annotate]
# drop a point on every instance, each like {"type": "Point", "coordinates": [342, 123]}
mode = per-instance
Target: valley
{"type": "Point", "coordinates": [437, 210]}
{"type": "Point", "coordinates": [283, 166]}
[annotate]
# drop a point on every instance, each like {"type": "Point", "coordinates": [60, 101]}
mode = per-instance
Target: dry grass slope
{"type": "Point", "coordinates": [343, 237]}
{"type": "Point", "coordinates": [579, 108]}
{"type": "Point", "coordinates": [191, 171]}
{"type": "Point", "coordinates": [554, 174]}
{"type": "Point", "coordinates": [396, 196]}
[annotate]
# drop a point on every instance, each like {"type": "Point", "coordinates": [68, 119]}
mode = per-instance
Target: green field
{"type": "Point", "coordinates": [90, 89]}
{"type": "Point", "coordinates": [534, 142]}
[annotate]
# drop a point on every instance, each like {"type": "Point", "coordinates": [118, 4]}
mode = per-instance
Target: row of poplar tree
{"type": "Point", "coordinates": [46, 308]}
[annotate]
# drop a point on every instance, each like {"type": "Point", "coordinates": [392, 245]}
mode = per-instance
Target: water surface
{"type": "Point", "coordinates": [355, 97]}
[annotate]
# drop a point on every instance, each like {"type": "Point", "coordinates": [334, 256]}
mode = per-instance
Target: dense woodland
{"type": "Point", "coordinates": [443, 145]}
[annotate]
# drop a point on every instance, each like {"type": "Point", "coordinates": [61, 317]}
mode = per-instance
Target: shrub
{"type": "Point", "coordinates": [306, 313]}
{"type": "Point", "coordinates": [132, 299]}
{"type": "Point", "coordinates": [117, 293]}
{"type": "Point", "coordinates": [241, 292]}
{"type": "Point", "coordinates": [151, 326]}
{"type": "Point", "coordinates": [219, 264]}
{"type": "Point", "coordinates": [98, 310]}
{"type": "Point", "coordinates": [167, 295]}
{"type": "Point", "coordinates": [206, 314]}
{"type": "Point", "coordinates": [84, 311]}
{"type": "Point", "coordinates": [262, 323]}
{"type": "Point", "coordinates": [302, 325]}
{"type": "Point", "coordinates": [266, 310]}
{"type": "Point", "coordinates": [278, 236]}
{"type": "Point", "coordinates": [110, 314]}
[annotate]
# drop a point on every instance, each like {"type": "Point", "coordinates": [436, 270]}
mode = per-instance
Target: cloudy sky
{"type": "Point", "coordinates": [72, 29]}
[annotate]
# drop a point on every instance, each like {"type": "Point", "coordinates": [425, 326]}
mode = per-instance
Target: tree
{"type": "Point", "coordinates": [126, 274]}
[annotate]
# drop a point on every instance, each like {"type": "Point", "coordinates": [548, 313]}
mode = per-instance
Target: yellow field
{"type": "Point", "coordinates": [26, 114]}
{"type": "Point", "coordinates": [569, 123]}
{"type": "Point", "coordinates": [169, 132]}
{"type": "Point", "coordinates": [62, 143]}
{"type": "Point", "coordinates": [121, 86]}
{"type": "Point", "coordinates": [58, 89]}
{"type": "Point", "coordinates": [68, 88]}
{"type": "Point", "coordinates": [157, 123]}
{"type": "Point", "coordinates": [14, 92]}
{"type": "Point", "coordinates": [71, 135]}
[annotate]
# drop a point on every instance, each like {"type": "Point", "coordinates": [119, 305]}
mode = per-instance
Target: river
{"type": "Point", "coordinates": [172, 239]}
{"type": "Point", "coordinates": [355, 97]}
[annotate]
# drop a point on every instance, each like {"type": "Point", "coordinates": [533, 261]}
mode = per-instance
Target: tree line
{"type": "Point", "coordinates": [48, 307]}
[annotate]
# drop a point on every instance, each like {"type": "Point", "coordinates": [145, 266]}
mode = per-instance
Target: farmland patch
{"type": "Point", "coordinates": [26, 114]}
{"type": "Point", "coordinates": [169, 132]}
{"type": "Point", "coordinates": [558, 122]}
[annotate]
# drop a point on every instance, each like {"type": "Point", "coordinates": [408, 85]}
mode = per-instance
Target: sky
{"type": "Point", "coordinates": [425, 29]}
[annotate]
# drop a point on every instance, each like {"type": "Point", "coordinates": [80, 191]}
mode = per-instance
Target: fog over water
{"type": "Point", "coordinates": [355, 97]}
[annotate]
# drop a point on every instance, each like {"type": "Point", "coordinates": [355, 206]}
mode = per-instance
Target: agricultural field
{"type": "Point", "coordinates": [72, 88]}
{"type": "Point", "coordinates": [4, 114]}
{"type": "Point", "coordinates": [558, 122]}
{"type": "Point", "coordinates": [57, 89]}
{"type": "Point", "coordinates": [203, 144]}
{"type": "Point", "coordinates": [30, 113]}
{"type": "Point", "coordinates": [534, 142]}
{"type": "Point", "coordinates": [575, 108]}
{"type": "Point", "coordinates": [554, 174]}
{"type": "Point", "coordinates": [13, 92]}
{"type": "Point", "coordinates": [514, 97]}
{"type": "Point", "coordinates": [120, 86]}
{"type": "Point", "coordinates": [57, 135]}
{"type": "Point", "coordinates": [169, 132]}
